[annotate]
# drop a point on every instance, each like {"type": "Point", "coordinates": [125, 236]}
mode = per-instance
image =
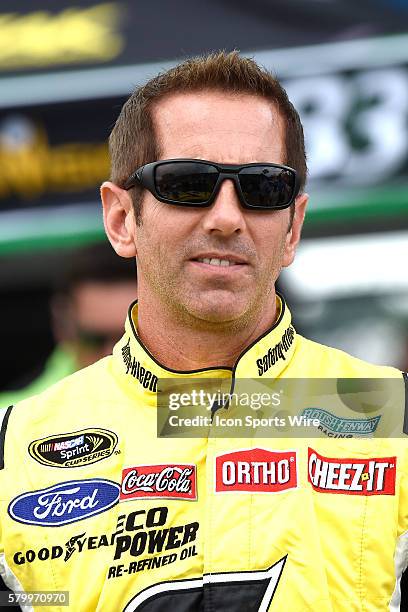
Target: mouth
{"type": "Point", "coordinates": [217, 262]}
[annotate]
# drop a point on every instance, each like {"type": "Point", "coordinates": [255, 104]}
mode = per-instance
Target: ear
{"type": "Point", "coordinates": [293, 235]}
{"type": "Point", "coordinates": [118, 219]}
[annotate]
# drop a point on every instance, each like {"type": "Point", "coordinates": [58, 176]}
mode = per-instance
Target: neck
{"type": "Point", "coordinates": [194, 345]}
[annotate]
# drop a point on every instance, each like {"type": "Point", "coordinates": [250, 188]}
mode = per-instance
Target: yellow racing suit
{"type": "Point", "coordinates": [94, 503]}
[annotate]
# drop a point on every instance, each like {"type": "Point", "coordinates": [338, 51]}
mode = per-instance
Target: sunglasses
{"type": "Point", "coordinates": [195, 182]}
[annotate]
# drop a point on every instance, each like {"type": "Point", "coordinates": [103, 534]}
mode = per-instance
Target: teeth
{"type": "Point", "coordinates": [214, 261]}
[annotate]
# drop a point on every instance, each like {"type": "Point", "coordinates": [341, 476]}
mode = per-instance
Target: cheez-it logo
{"type": "Point", "coordinates": [256, 470]}
{"type": "Point", "coordinates": [374, 476]}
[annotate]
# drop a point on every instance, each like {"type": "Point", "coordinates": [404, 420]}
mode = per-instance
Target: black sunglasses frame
{"type": "Point", "coordinates": [144, 176]}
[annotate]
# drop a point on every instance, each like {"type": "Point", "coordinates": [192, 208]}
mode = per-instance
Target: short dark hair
{"type": "Point", "coordinates": [133, 141]}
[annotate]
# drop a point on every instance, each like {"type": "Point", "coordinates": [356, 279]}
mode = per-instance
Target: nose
{"type": "Point", "coordinates": [226, 215]}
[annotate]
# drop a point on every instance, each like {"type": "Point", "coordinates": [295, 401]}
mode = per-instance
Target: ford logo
{"type": "Point", "coordinates": [66, 502]}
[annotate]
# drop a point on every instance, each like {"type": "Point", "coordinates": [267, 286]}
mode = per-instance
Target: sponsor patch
{"type": "Point", "coordinates": [146, 378]}
{"type": "Point", "coordinates": [74, 449]}
{"type": "Point", "coordinates": [276, 352]}
{"type": "Point", "coordinates": [66, 502]}
{"type": "Point", "coordinates": [164, 481]}
{"type": "Point", "coordinates": [338, 427]}
{"type": "Point", "coordinates": [150, 532]}
{"type": "Point", "coordinates": [256, 471]}
{"type": "Point", "coordinates": [374, 476]}
{"type": "Point", "coordinates": [142, 532]}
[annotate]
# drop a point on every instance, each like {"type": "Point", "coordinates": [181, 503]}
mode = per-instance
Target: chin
{"type": "Point", "coordinates": [218, 311]}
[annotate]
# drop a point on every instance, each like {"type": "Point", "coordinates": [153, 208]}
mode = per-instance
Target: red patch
{"type": "Point", "coordinates": [256, 470]}
{"type": "Point", "coordinates": [167, 481]}
{"type": "Point", "coordinates": [352, 476]}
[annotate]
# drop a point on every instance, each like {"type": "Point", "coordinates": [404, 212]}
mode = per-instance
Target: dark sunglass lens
{"type": "Point", "coordinates": [267, 186]}
{"type": "Point", "coordinates": [186, 182]}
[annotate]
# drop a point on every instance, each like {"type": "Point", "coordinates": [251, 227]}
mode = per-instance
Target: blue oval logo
{"type": "Point", "coordinates": [66, 502]}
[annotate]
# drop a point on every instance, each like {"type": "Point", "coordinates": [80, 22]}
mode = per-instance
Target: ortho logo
{"type": "Point", "coordinates": [256, 471]}
{"type": "Point", "coordinates": [374, 476]}
{"type": "Point", "coordinates": [66, 502]}
{"type": "Point", "coordinates": [165, 481]}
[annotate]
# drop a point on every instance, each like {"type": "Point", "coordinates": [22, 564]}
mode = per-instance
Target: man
{"type": "Point", "coordinates": [202, 523]}
{"type": "Point", "coordinates": [87, 309]}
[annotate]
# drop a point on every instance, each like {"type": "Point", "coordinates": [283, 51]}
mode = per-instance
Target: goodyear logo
{"type": "Point", "coordinates": [338, 427]}
{"type": "Point", "coordinates": [74, 449]}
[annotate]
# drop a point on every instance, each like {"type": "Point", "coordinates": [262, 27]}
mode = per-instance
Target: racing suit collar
{"type": "Point", "coordinates": [268, 356]}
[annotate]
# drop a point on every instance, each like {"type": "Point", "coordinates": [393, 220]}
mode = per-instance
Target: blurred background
{"type": "Point", "coordinates": [65, 70]}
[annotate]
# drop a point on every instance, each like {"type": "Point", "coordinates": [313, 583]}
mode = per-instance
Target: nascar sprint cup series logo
{"type": "Point", "coordinates": [74, 449]}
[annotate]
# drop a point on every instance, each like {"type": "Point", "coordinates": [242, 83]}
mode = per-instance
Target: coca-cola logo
{"type": "Point", "coordinates": [170, 481]}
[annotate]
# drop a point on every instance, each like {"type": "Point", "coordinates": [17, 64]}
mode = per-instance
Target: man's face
{"type": "Point", "coordinates": [171, 242]}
